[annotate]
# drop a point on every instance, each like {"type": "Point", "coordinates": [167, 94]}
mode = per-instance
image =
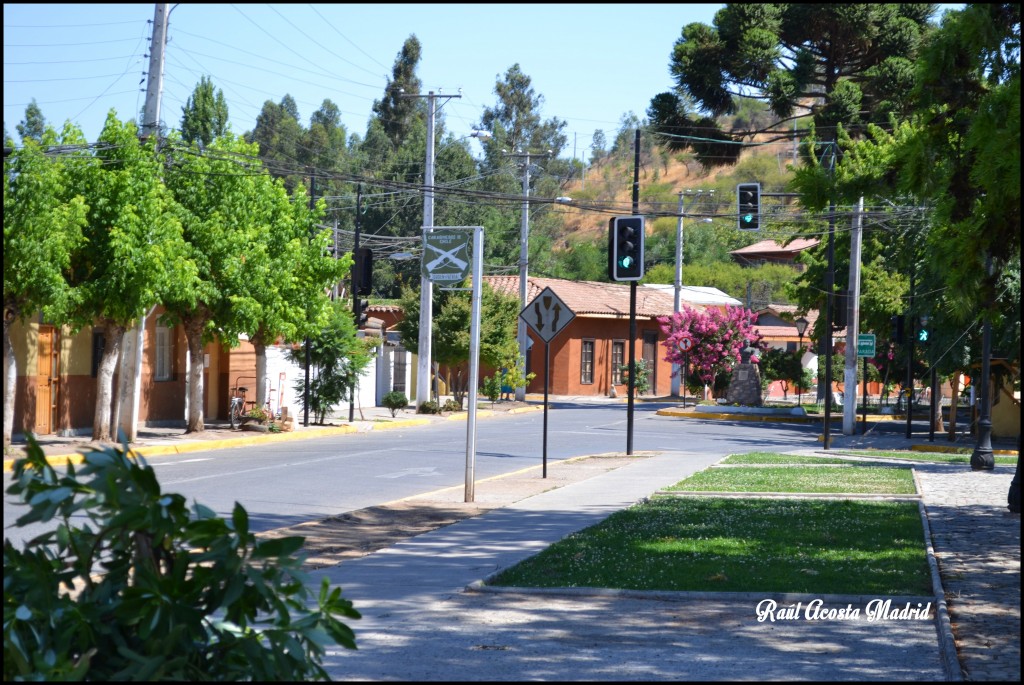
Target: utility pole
{"type": "Point", "coordinates": [524, 260]}
{"type": "Point", "coordinates": [853, 327]}
{"type": "Point", "coordinates": [677, 300]}
{"type": "Point", "coordinates": [830, 283]}
{"type": "Point", "coordinates": [131, 356]}
{"type": "Point", "coordinates": [426, 287]}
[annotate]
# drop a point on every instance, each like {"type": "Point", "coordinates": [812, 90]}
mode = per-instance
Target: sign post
{"type": "Point", "coordinates": [547, 315]}
{"type": "Point", "coordinates": [865, 349]}
{"type": "Point", "coordinates": [685, 345]}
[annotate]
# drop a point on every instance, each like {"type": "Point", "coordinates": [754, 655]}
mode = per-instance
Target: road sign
{"type": "Point", "coordinates": [866, 345]}
{"type": "Point", "coordinates": [547, 315]}
{"type": "Point", "coordinates": [446, 256]}
{"type": "Point", "coordinates": [686, 344]}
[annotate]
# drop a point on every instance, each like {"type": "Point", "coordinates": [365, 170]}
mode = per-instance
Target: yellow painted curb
{"type": "Point", "coordinates": [404, 423]}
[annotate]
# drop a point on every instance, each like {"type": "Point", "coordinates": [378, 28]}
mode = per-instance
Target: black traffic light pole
{"type": "Point", "coordinates": [632, 304]}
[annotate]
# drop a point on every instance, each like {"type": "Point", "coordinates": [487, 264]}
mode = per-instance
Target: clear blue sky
{"type": "Point", "coordinates": [592, 63]}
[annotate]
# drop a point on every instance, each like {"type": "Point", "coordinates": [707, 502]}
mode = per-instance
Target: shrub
{"type": "Point", "coordinates": [132, 585]}
{"type": "Point", "coordinates": [491, 388]}
{"type": "Point", "coordinates": [258, 414]}
{"type": "Point", "coordinates": [428, 407]}
{"type": "Point", "coordinates": [394, 401]}
{"type": "Point", "coordinates": [452, 405]}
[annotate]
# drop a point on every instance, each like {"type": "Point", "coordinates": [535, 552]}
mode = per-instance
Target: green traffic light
{"type": "Point", "coordinates": [626, 262]}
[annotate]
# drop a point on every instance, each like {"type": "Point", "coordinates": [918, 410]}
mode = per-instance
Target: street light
{"type": "Point", "coordinates": [801, 326]}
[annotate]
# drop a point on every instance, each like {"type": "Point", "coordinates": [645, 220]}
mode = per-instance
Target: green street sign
{"type": "Point", "coordinates": [866, 345]}
{"type": "Point", "coordinates": [446, 256]}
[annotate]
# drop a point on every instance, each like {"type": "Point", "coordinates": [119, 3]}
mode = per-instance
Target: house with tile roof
{"type": "Point", "coordinates": [586, 357]}
{"type": "Point", "coordinates": [771, 252]}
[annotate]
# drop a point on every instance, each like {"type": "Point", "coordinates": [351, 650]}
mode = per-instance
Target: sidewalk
{"type": "Point", "coordinates": [420, 623]}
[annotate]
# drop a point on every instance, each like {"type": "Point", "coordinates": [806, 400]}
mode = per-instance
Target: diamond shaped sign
{"type": "Point", "coordinates": [547, 315]}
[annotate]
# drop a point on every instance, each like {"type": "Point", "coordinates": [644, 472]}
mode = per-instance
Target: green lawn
{"type": "Point", "coordinates": [811, 479]}
{"type": "Point", "coordinates": [775, 458]}
{"type": "Point", "coordinates": [938, 457]}
{"type": "Point", "coordinates": [750, 545]}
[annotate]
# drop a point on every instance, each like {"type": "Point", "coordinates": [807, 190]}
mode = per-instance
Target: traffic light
{"type": "Point", "coordinates": [626, 248]}
{"type": "Point", "coordinates": [748, 196]}
{"type": "Point", "coordinates": [923, 335]}
{"type": "Point", "coordinates": [896, 326]}
{"type": "Point", "coordinates": [840, 310]}
{"type": "Point", "coordinates": [362, 271]}
{"type": "Point", "coordinates": [361, 315]}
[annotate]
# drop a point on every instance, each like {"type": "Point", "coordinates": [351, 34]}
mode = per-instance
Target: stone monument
{"type": "Point", "coordinates": [745, 384]}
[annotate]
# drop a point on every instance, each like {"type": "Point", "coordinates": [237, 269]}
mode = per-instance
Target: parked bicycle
{"type": "Point", "coordinates": [237, 411]}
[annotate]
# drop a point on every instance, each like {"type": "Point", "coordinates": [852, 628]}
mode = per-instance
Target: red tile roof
{"type": "Point", "coordinates": [591, 298]}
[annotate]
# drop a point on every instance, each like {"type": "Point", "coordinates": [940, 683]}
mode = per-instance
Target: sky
{"type": "Point", "coordinates": [591, 63]}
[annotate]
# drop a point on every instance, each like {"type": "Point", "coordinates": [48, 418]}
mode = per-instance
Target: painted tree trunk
{"type": "Point", "coordinates": [194, 336]}
{"type": "Point", "coordinates": [261, 371]}
{"type": "Point", "coordinates": [10, 380]}
{"type": "Point", "coordinates": [113, 334]}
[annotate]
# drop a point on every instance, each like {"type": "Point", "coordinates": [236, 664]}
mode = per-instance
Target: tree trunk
{"type": "Point", "coordinates": [194, 336]}
{"type": "Point", "coordinates": [10, 378]}
{"type": "Point", "coordinates": [261, 370]}
{"type": "Point", "coordinates": [954, 385]}
{"type": "Point", "coordinates": [112, 336]}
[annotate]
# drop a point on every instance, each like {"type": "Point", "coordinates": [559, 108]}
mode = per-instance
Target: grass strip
{"type": "Point", "coordinates": [935, 457]}
{"type": "Point", "coordinates": [887, 480]}
{"type": "Point", "coordinates": [775, 458]}
{"type": "Point", "coordinates": [741, 545]}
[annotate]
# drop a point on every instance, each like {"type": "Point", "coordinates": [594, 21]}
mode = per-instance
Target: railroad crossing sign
{"type": "Point", "coordinates": [866, 345]}
{"type": "Point", "coordinates": [685, 344]}
{"type": "Point", "coordinates": [547, 315]}
{"type": "Point", "coordinates": [446, 256]}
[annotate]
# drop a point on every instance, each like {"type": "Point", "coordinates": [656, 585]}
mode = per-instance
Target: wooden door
{"type": "Point", "coordinates": [46, 382]}
{"type": "Point", "coordinates": [650, 355]}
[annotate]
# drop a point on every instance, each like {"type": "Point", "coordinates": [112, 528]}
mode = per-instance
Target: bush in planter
{"type": "Point", "coordinates": [452, 405]}
{"type": "Point", "coordinates": [394, 401]}
{"type": "Point", "coordinates": [428, 407]}
{"type": "Point", "coordinates": [133, 585]}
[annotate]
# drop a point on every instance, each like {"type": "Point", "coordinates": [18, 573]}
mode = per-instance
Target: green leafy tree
{"type": "Point", "coordinates": [842, 64]}
{"type": "Point", "coordinates": [228, 211]}
{"type": "Point", "coordinates": [205, 114]}
{"type": "Point", "coordinates": [33, 126]}
{"type": "Point", "coordinates": [183, 594]}
{"type": "Point", "coordinates": [279, 136]}
{"type": "Point", "coordinates": [132, 250]}
{"type": "Point", "coordinates": [337, 358]}
{"type": "Point", "coordinates": [450, 331]}
{"type": "Point", "coordinates": [779, 365]}
{"type": "Point", "coordinates": [399, 111]}
{"type": "Point", "coordinates": [43, 221]}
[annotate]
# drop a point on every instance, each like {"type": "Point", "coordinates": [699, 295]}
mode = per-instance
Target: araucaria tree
{"type": "Point", "coordinates": [845, 64]}
{"type": "Point", "coordinates": [717, 338]}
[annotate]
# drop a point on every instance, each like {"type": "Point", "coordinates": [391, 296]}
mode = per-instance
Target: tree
{"type": "Point", "coordinates": [43, 220]}
{"type": "Point", "coordinates": [279, 135]}
{"type": "Point", "coordinates": [205, 114]}
{"type": "Point", "coordinates": [398, 111]}
{"type": "Point", "coordinates": [33, 125]}
{"type": "Point", "coordinates": [337, 357]}
{"type": "Point", "coordinates": [779, 365]}
{"type": "Point", "coordinates": [228, 211]}
{"type": "Point", "coordinates": [718, 336]}
{"type": "Point", "coordinates": [450, 331]}
{"type": "Point", "coordinates": [287, 274]}
{"type": "Point", "coordinates": [132, 250]}
{"type": "Point", "coordinates": [847, 64]}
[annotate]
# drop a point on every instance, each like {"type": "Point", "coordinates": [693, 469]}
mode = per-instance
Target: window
{"type": "Point", "coordinates": [618, 359]}
{"type": "Point", "coordinates": [163, 354]}
{"type": "Point", "coordinates": [587, 363]}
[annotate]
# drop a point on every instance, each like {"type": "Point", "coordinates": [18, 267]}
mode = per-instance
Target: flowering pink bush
{"type": "Point", "coordinates": [717, 338]}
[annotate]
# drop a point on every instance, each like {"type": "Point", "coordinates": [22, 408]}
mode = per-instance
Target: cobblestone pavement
{"type": "Point", "coordinates": [977, 544]}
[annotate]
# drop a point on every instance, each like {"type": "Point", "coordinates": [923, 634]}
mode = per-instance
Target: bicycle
{"type": "Point", "coordinates": [236, 412]}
